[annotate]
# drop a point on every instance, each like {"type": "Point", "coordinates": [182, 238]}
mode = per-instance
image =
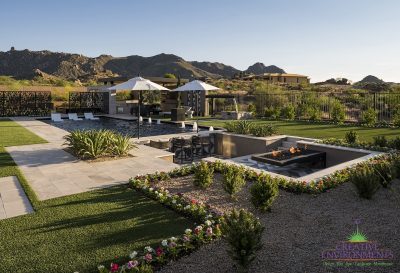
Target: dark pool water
{"type": "Point", "coordinates": [121, 126]}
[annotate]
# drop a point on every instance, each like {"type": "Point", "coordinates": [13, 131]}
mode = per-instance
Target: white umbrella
{"type": "Point", "coordinates": [139, 84]}
{"type": "Point", "coordinates": [198, 86]}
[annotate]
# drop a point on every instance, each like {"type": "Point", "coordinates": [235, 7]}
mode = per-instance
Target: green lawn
{"type": "Point", "coordinates": [12, 134]}
{"type": "Point", "coordinates": [304, 129]}
{"type": "Point", "coordinates": [79, 232]}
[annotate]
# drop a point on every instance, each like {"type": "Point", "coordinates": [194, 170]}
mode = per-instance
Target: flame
{"type": "Point", "coordinates": [294, 150]}
{"type": "Point", "coordinates": [276, 153]}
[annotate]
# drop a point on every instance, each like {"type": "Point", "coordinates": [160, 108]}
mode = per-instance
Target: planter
{"type": "Point", "coordinates": [177, 114]}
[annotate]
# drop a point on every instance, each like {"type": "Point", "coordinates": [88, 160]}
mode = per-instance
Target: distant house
{"type": "Point", "coordinates": [278, 78]}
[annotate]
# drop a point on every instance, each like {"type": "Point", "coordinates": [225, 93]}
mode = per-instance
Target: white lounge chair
{"type": "Point", "coordinates": [56, 117]}
{"type": "Point", "coordinates": [90, 116]}
{"type": "Point", "coordinates": [73, 116]}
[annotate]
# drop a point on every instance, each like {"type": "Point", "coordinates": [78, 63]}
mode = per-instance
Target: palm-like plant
{"type": "Point", "coordinates": [121, 145]}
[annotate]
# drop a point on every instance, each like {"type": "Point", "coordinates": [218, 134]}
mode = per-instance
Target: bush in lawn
{"type": "Point", "coordinates": [243, 231]}
{"type": "Point", "coordinates": [288, 112]}
{"type": "Point", "coordinates": [264, 192]}
{"type": "Point", "coordinates": [263, 130]}
{"type": "Point", "coordinates": [233, 179]}
{"type": "Point", "coordinates": [315, 114]}
{"type": "Point", "coordinates": [366, 181]}
{"type": "Point", "coordinates": [92, 144]}
{"type": "Point", "coordinates": [380, 141]}
{"type": "Point", "coordinates": [396, 118]}
{"type": "Point", "coordinates": [272, 112]}
{"type": "Point", "coordinates": [203, 175]}
{"type": "Point", "coordinates": [239, 126]}
{"type": "Point", "coordinates": [351, 137]}
{"type": "Point", "coordinates": [369, 117]}
{"type": "Point", "coordinates": [337, 111]}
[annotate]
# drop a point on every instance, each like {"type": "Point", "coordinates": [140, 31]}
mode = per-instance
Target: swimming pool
{"type": "Point", "coordinates": [122, 126]}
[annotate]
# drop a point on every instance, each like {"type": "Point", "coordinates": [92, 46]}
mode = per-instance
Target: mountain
{"type": "Point", "coordinates": [370, 79]}
{"type": "Point", "coordinates": [25, 64]}
{"type": "Point", "coordinates": [260, 68]}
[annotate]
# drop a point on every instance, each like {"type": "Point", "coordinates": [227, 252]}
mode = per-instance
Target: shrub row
{"type": "Point", "coordinates": [246, 127]}
{"type": "Point", "coordinates": [379, 143]}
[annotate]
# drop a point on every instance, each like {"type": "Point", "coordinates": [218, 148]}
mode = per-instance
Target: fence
{"type": "Point", "coordinates": [80, 102]}
{"type": "Point", "coordinates": [327, 105]}
{"type": "Point", "coordinates": [28, 103]}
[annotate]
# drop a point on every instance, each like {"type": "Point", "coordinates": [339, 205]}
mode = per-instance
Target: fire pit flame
{"type": "Point", "coordinates": [294, 150]}
{"type": "Point", "coordinates": [276, 153]}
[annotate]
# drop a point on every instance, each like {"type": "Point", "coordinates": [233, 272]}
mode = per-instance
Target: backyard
{"type": "Point", "coordinates": [77, 232]}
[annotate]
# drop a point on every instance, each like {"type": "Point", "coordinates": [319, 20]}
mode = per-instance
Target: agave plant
{"type": "Point", "coordinates": [121, 145]}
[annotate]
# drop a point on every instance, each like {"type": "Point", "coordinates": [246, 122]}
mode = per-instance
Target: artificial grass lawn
{"type": "Point", "coordinates": [12, 134]}
{"type": "Point", "coordinates": [79, 232]}
{"type": "Point", "coordinates": [314, 130]}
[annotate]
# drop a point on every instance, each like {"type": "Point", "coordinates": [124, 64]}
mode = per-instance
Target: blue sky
{"type": "Point", "coordinates": [319, 38]}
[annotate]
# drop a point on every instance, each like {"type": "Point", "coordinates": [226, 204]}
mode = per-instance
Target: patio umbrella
{"type": "Point", "coordinates": [139, 84]}
{"type": "Point", "coordinates": [196, 86]}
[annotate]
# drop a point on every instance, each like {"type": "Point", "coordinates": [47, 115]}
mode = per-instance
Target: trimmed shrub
{"type": "Point", "coordinates": [263, 130]}
{"type": "Point", "coordinates": [396, 118]}
{"type": "Point", "coordinates": [243, 231]}
{"type": "Point", "coordinates": [369, 117]}
{"type": "Point", "coordinates": [337, 111]}
{"type": "Point", "coordinates": [288, 112]}
{"type": "Point", "coordinates": [272, 112]}
{"type": "Point", "coordinates": [351, 137]}
{"type": "Point", "coordinates": [233, 179]}
{"type": "Point", "coordinates": [203, 175]}
{"type": "Point", "coordinates": [366, 181]}
{"type": "Point", "coordinates": [380, 141]}
{"type": "Point", "coordinates": [264, 192]}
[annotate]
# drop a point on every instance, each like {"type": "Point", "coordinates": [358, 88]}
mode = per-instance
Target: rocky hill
{"type": "Point", "coordinates": [260, 68]}
{"type": "Point", "coordinates": [370, 79]}
{"type": "Point", "coordinates": [25, 64]}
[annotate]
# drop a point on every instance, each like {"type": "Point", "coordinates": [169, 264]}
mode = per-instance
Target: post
{"type": "Point", "coordinates": [138, 117]}
{"type": "Point", "coordinates": [198, 108]}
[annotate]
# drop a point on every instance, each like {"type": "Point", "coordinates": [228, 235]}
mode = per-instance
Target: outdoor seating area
{"type": "Point", "coordinates": [187, 150]}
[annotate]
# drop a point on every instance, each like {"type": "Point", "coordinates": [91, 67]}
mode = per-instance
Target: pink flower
{"type": "Point", "coordinates": [172, 244]}
{"type": "Point", "coordinates": [114, 267]}
{"type": "Point", "coordinates": [186, 238]}
{"type": "Point", "coordinates": [132, 264]}
{"type": "Point", "coordinates": [148, 257]}
{"type": "Point", "coordinates": [159, 251]}
{"type": "Point", "coordinates": [209, 231]}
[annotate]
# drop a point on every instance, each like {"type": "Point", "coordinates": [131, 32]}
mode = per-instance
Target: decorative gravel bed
{"type": "Point", "coordinates": [300, 228]}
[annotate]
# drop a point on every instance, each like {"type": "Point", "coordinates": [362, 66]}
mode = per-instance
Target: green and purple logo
{"type": "Point", "coordinates": [357, 251]}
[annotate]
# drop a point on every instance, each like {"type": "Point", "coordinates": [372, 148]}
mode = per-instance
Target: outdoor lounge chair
{"type": "Point", "coordinates": [73, 116]}
{"type": "Point", "coordinates": [90, 116]}
{"type": "Point", "coordinates": [56, 117]}
{"type": "Point", "coordinates": [188, 111]}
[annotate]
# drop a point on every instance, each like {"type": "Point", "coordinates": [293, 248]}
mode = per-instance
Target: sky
{"type": "Point", "coordinates": [318, 38]}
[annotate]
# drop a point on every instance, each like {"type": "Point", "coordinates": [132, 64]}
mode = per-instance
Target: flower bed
{"type": "Point", "coordinates": [208, 228]}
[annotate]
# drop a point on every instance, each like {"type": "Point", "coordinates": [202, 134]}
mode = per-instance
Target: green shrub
{"type": "Point", "coordinates": [395, 143]}
{"type": "Point", "coordinates": [243, 231]}
{"type": "Point", "coordinates": [251, 108]}
{"type": "Point", "coordinates": [203, 175]}
{"type": "Point", "coordinates": [239, 126]}
{"type": "Point", "coordinates": [351, 137]}
{"type": "Point", "coordinates": [92, 144]}
{"type": "Point", "coordinates": [380, 141]}
{"type": "Point", "coordinates": [263, 130]}
{"type": "Point", "coordinates": [233, 179]}
{"type": "Point", "coordinates": [264, 192]}
{"type": "Point", "coordinates": [396, 118]}
{"type": "Point", "coordinates": [366, 181]}
{"type": "Point", "coordinates": [386, 170]}
{"type": "Point", "coordinates": [337, 111]}
{"type": "Point", "coordinates": [369, 117]}
{"type": "Point", "coordinates": [315, 114]}
{"type": "Point", "coordinates": [288, 112]}
{"type": "Point", "coordinates": [272, 112]}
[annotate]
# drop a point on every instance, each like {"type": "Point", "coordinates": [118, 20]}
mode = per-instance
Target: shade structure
{"type": "Point", "coordinates": [139, 84]}
{"type": "Point", "coordinates": [196, 86]}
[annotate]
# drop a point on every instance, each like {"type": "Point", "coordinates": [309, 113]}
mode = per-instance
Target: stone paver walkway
{"type": "Point", "coordinates": [52, 172]}
{"type": "Point", "coordinates": [13, 200]}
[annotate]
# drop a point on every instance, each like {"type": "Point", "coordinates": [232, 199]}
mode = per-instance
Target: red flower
{"type": "Point", "coordinates": [159, 251]}
{"type": "Point", "coordinates": [114, 267]}
{"type": "Point", "coordinates": [194, 202]}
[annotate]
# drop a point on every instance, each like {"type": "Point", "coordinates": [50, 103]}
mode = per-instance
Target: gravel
{"type": "Point", "coordinates": [300, 227]}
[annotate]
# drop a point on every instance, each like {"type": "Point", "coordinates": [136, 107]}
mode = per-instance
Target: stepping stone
{"type": "Point", "coordinates": [13, 200]}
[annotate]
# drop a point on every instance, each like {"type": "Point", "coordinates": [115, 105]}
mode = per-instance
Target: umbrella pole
{"type": "Point", "coordinates": [138, 117]}
{"type": "Point", "coordinates": [198, 110]}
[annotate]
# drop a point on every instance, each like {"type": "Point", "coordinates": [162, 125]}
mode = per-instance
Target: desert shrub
{"type": "Point", "coordinates": [233, 179]}
{"type": "Point", "coordinates": [288, 112]}
{"type": "Point", "coordinates": [366, 181]}
{"type": "Point", "coordinates": [239, 126]}
{"type": "Point", "coordinates": [314, 114]}
{"type": "Point", "coordinates": [251, 108]}
{"type": "Point", "coordinates": [337, 111]}
{"type": "Point", "coordinates": [203, 175]}
{"type": "Point", "coordinates": [272, 112]}
{"type": "Point", "coordinates": [395, 143]}
{"type": "Point", "coordinates": [263, 130]}
{"type": "Point", "coordinates": [351, 137]}
{"type": "Point", "coordinates": [264, 192]}
{"type": "Point", "coordinates": [380, 141]}
{"type": "Point", "coordinates": [396, 118]}
{"type": "Point", "coordinates": [386, 170]}
{"type": "Point", "coordinates": [243, 232]}
{"type": "Point", "coordinates": [92, 144]}
{"type": "Point", "coordinates": [369, 117]}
